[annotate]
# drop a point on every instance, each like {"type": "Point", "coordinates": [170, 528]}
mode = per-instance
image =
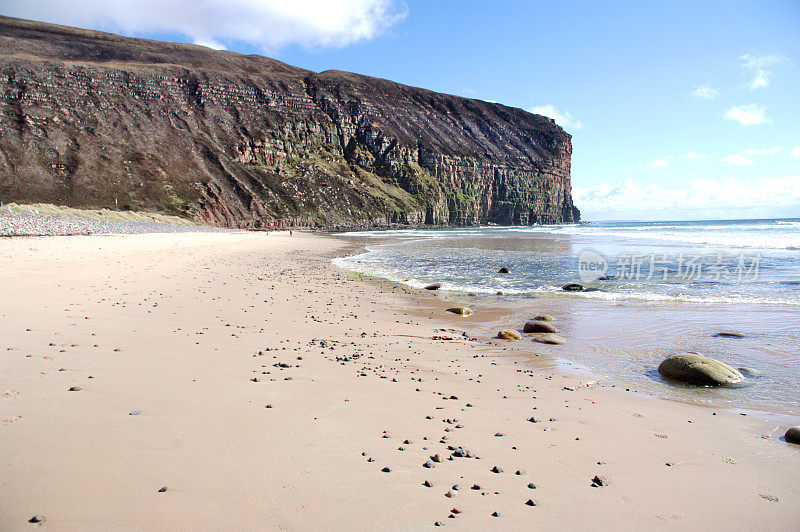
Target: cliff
{"type": "Point", "coordinates": [90, 119]}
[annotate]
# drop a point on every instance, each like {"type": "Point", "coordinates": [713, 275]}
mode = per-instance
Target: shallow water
{"type": "Point", "coordinates": [624, 330]}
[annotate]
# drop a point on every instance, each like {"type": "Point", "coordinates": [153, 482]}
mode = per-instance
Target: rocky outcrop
{"type": "Point", "coordinates": [90, 119]}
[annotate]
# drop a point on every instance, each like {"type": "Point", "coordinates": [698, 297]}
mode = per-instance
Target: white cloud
{"type": "Point", "coordinates": [564, 119]}
{"type": "Point", "coordinates": [210, 44]}
{"type": "Point", "coordinates": [693, 155]}
{"type": "Point", "coordinates": [661, 163]}
{"type": "Point", "coordinates": [737, 160]}
{"type": "Point", "coordinates": [759, 69]}
{"type": "Point", "coordinates": [762, 151]}
{"type": "Point", "coordinates": [704, 92]}
{"type": "Point", "coordinates": [267, 24]}
{"type": "Point", "coordinates": [698, 196]}
{"type": "Point", "coordinates": [748, 115]}
{"type": "Point", "coordinates": [795, 154]}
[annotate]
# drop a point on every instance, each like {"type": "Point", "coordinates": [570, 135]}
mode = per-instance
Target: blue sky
{"type": "Point", "coordinates": [677, 109]}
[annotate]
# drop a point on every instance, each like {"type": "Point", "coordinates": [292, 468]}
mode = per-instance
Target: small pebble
{"type": "Point", "coordinates": [162, 489]}
{"type": "Point", "coordinates": [75, 389]}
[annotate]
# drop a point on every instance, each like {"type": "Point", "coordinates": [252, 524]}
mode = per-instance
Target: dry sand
{"type": "Point", "coordinates": [187, 330]}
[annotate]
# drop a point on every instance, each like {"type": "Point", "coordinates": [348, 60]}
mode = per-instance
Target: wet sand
{"type": "Point", "coordinates": [271, 390]}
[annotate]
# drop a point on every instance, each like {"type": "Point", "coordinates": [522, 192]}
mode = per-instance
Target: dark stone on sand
{"type": "Point", "coordinates": [573, 287]}
{"type": "Point", "coordinates": [538, 326]}
{"type": "Point", "coordinates": [728, 335]}
{"type": "Point", "coordinates": [134, 413]}
{"type": "Point", "coordinates": [532, 486]}
{"type": "Point", "coordinates": [499, 435]}
{"type": "Point", "coordinates": [434, 286]}
{"type": "Point", "coordinates": [496, 469]}
{"type": "Point", "coordinates": [428, 464]}
{"type": "Point", "coordinates": [436, 458]}
{"type": "Point", "coordinates": [694, 368]}
{"type": "Point", "coordinates": [529, 502]}
{"type": "Point", "coordinates": [475, 487]}
{"type": "Point", "coordinates": [74, 389]}
{"type": "Point", "coordinates": [500, 293]}
{"type": "Point", "coordinates": [598, 482]}
{"type": "Point", "coordinates": [503, 270]}
{"type": "Point", "coordinates": [427, 484]}
{"type": "Point", "coordinates": [793, 435]}
{"type": "Point", "coordinates": [456, 487]}
{"type": "Point", "coordinates": [386, 470]}
{"type": "Point", "coordinates": [36, 519]}
{"type": "Point", "coordinates": [162, 489]}
{"type": "Point", "coordinates": [544, 317]}
{"type": "Point", "coordinates": [495, 514]}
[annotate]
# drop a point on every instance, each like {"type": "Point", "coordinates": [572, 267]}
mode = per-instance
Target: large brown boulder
{"type": "Point", "coordinates": [793, 435]}
{"type": "Point", "coordinates": [694, 368]}
{"type": "Point", "coordinates": [538, 326]}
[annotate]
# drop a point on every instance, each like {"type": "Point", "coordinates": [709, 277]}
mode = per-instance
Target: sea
{"type": "Point", "coordinates": [650, 289]}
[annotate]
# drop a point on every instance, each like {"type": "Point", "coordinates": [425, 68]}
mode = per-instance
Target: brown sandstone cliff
{"type": "Point", "coordinates": [90, 119]}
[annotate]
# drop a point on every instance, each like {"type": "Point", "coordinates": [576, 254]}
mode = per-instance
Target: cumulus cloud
{"type": "Point", "coordinates": [661, 163]}
{"type": "Point", "coordinates": [698, 196]}
{"type": "Point", "coordinates": [795, 153]}
{"type": "Point", "coordinates": [704, 92]}
{"type": "Point", "coordinates": [737, 160]}
{"type": "Point", "coordinates": [266, 24]}
{"type": "Point", "coordinates": [564, 119]}
{"type": "Point", "coordinates": [748, 115]}
{"type": "Point", "coordinates": [759, 69]}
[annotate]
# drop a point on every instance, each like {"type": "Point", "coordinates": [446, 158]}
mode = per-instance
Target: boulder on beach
{"type": "Point", "coordinates": [544, 317]}
{"type": "Point", "coordinates": [507, 334]}
{"type": "Point", "coordinates": [573, 287]}
{"type": "Point", "coordinates": [694, 368]}
{"type": "Point", "coordinates": [793, 435]}
{"type": "Point", "coordinates": [550, 339]}
{"type": "Point", "coordinates": [472, 294]}
{"type": "Point", "coordinates": [503, 270]}
{"type": "Point", "coordinates": [461, 311]}
{"type": "Point", "coordinates": [538, 326]}
{"type": "Point", "coordinates": [434, 286]}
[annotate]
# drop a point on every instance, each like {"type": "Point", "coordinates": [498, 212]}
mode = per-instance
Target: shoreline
{"type": "Point", "coordinates": [179, 321]}
{"type": "Point", "coordinates": [493, 313]}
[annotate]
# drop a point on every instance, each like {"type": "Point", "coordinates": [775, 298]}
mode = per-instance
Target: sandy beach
{"type": "Point", "coordinates": [267, 389]}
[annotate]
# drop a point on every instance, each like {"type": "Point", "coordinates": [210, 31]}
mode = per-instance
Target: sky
{"type": "Point", "coordinates": [678, 110]}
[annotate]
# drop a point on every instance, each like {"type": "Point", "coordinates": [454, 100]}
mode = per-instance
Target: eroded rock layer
{"type": "Point", "coordinates": [90, 119]}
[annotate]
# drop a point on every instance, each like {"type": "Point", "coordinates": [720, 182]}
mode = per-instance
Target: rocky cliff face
{"type": "Point", "coordinates": [90, 119]}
